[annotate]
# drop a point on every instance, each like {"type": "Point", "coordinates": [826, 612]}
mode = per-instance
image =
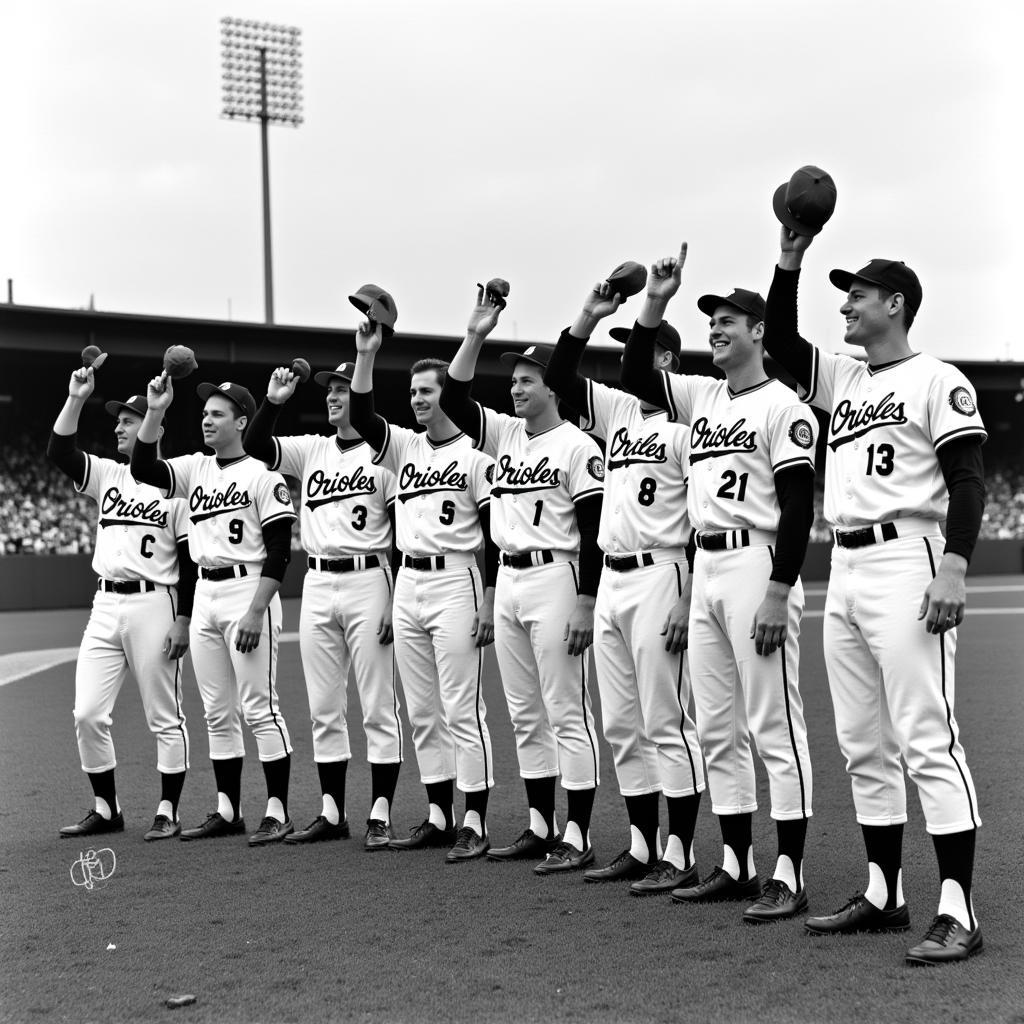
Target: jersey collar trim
{"type": "Point", "coordinates": [872, 370]}
{"type": "Point", "coordinates": [443, 444]}
{"type": "Point", "coordinates": [348, 446]}
{"type": "Point", "coordinates": [748, 391]}
{"type": "Point", "coordinates": [541, 433]}
{"type": "Point", "coordinates": [224, 463]}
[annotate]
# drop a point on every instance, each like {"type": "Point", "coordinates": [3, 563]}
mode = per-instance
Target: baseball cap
{"type": "Point", "coordinates": [536, 354]}
{"type": "Point", "coordinates": [343, 372]}
{"type": "Point", "coordinates": [892, 275]}
{"type": "Point", "coordinates": [136, 404]}
{"type": "Point", "coordinates": [239, 395]}
{"type": "Point", "coordinates": [376, 303]}
{"type": "Point", "coordinates": [805, 202]}
{"type": "Point", "coordinates": [740, 298]}
{"type": "Point", "coordinates": [668, 337]}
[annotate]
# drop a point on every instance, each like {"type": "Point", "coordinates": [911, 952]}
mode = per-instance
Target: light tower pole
{"type": "Point", "coordinates": [262, 81]}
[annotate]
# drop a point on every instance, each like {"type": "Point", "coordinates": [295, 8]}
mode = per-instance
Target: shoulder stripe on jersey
{"type": "Point", "coordinates": [482, 440]}
{"type": "Point", "coordinates": [484, 502]}
{"type": "Point", "coordinates": [277, 516]}
{"type": "Point", "coordinates": [670, 406]}
{"type": "Point", "coordinates": [800, 460]}
{"type": "Point", "coordinates": [969, 431]}
{"type": "Point", "coordinates": [88, 473]}
{"type": "Point", "coordinates": [588, 419]}
{"type": "Point", "coordinates": [277, 454]}
{"type": "Point", "coordinates": [378, 458]}
{"type": "Point", "coordinates": [587, 494]}
{"type": "Point", "coordinates": [815, 368]}
{"type": "Point", "coordinates": [173, 489]}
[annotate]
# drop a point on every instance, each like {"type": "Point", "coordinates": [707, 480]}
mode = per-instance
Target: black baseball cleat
{"type": "Point", "coordinates": [625, 868]}
{"type": "Point", "coordinates": [664, 877]}
{"type": "Point", "coordinates": [426, 836]}
{"type": "Point", "coordinates": [564, 857]}
{"type": "Point", "coordinates": [777, 903]}
{"type": "Point", "coordinates": [378, 835]}
{"type": "Point", "coordinates": [718, 887]}
{"type": "Point", "coordinates": [319, 830]}
{"type": "Point", "coordinates": [214, 827]}
{"type": "Point", "coordinates": [94, 824]}
{"type": "Point", "coordinates": [529, 846]}
{"type": "Point", "coordinates": [946, 942]}
{"type": "Point", "coordinates": [468, 846]}
{"type": "Point", "coordinates": [162, 828]}
{"type": "Point", "coordinates": [271, 831]}
{"type": "Point", "coordinates": [859, 915]}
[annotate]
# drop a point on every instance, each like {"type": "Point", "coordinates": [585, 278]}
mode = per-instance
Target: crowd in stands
{"type": "Point", "coordinates": [40, 512]}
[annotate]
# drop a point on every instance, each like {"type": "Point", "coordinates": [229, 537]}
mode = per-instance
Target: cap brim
{"type": "Point", "coordinates": [114, 408]}
{"type": "Point", "coordinates": [324, 378]}
{"type": "Point", "coordinates": [372, 309]}
{"type": "Point", "coordinates": [786, 218]}
{"type": "Point", "coordinates": [206, 389]}
{"type": "Point", "coordinates": [510, 359]}
{"type": "Point", "coordinates": [842, 279]}
{"type": "Point", "coordinates": [620, 334]}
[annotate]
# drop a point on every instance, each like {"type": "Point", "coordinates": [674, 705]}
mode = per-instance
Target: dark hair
{"type": "Point", "coordinates": [908, 314]}
{"type": "Point", "coordinates": [439, 366]}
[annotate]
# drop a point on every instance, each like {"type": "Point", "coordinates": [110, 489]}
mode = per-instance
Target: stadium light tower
{"type": "Point", "coordinates": [262, 81]}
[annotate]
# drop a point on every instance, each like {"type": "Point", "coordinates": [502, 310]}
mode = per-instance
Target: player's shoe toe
{"type": "Point", "coordinates": [718, 887]}
{"type": "Point", "coordinates": [163, 828]}
{"type": "Point", "coordinates": [564, 857]}
{"type": "Point", "coordinates": [94, 824]}
{"type": "Point", "coordinates": [319, 830]}
{"type": "Point", "coordinates": [378, 835]}
{"type": "Point", "coordinates": [947, 941]}
{"type": "Point", "coordinates": [468, 846]}
{"type": "Point", "coordinates": [271, 831]}
{"type": "Point", "coordinates": [426, 836]}
{"type": "Point", "coordinates": [214, 827]}
{"type": "Point", "coordinates": [777, 902]}
{"type": "Point", "coordinates": [529, 846]}
{"type": "Point", "coordinates": [664, 877]}
{"type": "Point", "coordinates": [859, 915]}
{"type": "Point", "coordinates": [625, 868]}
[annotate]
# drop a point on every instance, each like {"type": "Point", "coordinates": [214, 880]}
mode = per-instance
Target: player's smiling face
{"type": "Point", "coordinates": [530, 396]}
{"type": "Point", "coordinates": [338, 403]}
{"type": "Point", "coordinates": [733, 342]}
{"type": "Point", "coordinates": [425, 396]}
{"type": "Point", "coordinates": [126, 431]}
{"type": "Point", "coordinates": [866, 311]}
{"type": "Point", "coordinates": [222, 423]}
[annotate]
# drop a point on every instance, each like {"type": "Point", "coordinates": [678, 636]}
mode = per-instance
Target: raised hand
{"type": "Point", "coordinates": [82, 382]}
{"type": "Point", "coordinates": [369, 336]}
{"type": "Point", "coordinates": [282, 385]}
{"type": "Point", "coordinates": [485, 315]}
{"type": "Point", "coordinates": [666, 275]}
{"type": "Point", "coordinates": [601, 301]}
{"type": "Point", "coordinates": [160, 393]}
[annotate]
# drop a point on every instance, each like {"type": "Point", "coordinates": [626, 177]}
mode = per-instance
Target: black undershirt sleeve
{"type": "Point", "coordinates": [964, 473]}
{"type": "Point", "coordinates": [187, 573]}
{"type": "Point", "coordinates": [795, 489]}
{"type": "Point", "coordinates": [490, 548]}
{"type": "Point", "coordinates": [277, 539]}
{"type": "Point", "coordinates": [782, 339]}
{"type": "Point", "coordinates": [258, 440]}
{"type": "Point", "coordinates": [147, 468]}
{"type": "Point", "coordinates": [638, 375]}
{"type": "Point", "coordinates": [373, 429]}
{"type": "Point", "coordinates": [63, 451]}
{"type": "Point", "coordinates": [459, 407]}
{"type": "Point", "coordinates": [563, 372]}
{"type": "Point", "coordinates": [588, 519]}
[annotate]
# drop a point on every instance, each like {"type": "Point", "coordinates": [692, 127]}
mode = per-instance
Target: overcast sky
{"type": "Point", "coordinates": [447, 141]}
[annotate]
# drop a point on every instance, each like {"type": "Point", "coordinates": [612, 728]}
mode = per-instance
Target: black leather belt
{"type": "Point", "coordinates": [863, 537]}
{"type": "Point", "coordinates": [343, 564]}
{"type": "Point", "coordinates": [125, 586]}
{"type": "Point", "coordinates": [627, 563]}
{"type": "Point", "coordinates": [524, 559]}
{"type": "Point", "coordinates": [423, 562]}
{"type": "Point", "coordinates": [720, 541]}
{"type": "Point", "coordinates": [225, 572]}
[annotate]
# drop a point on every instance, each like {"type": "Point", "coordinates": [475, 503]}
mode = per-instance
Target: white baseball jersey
{"type": "Point", "coordinates": [345, 496]}
{"type": "Point", "coordinates": [138, 528]}
{"type": "Point", "coordinates": [647, 469]}
{"type": "Point", "coordinates": [885, 427]}
{"type": "Point", "coordinates": [738, 442]}
{"type": "Point", "coordinates": [537, 481]}
{"type": "Point", "coordinates": [440, 489]}
{"type": "Point", "coordinates": [228, 506]}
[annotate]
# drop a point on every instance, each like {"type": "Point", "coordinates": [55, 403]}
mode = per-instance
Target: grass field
{"type": "Point", "coordinates": [329, 932]}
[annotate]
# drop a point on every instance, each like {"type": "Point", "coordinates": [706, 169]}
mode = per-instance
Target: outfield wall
{"type": "Point", "coordinates": [67, 581]}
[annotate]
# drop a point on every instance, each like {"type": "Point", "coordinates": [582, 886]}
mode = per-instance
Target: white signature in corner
{"type": "Point", "coordinates": [93, 866]}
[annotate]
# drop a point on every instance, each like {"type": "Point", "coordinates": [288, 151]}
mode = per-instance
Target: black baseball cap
{"type": "Point", "coordinates": [536, 354]}
{"type": "Point", "coordinates": [892, 275]}
{"type": "Point", "coordinates": [235, 392]}
{"type": "Point", "coordinates": [343, 372]}
{"type": "Point", "coordinates": [376, 303]}
{"type": "Point", "coordinates": [136, 404]}
{"type": "Point", "coordinates": [741, 299]}
{"type": "Point", "coordinates": [668, 337]}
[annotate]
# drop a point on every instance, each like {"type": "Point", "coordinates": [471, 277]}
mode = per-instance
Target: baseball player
{"type": "Point", "coordinates": [346, 517]}
{"type": "Point", "coordinates": [903, 453]}
{"type": "Point", "coordinates": [239, 533]}
{"type": "Point", "coordinates": [546, 503]}
{"type": "Point", "coordinates": [140, 614]}
{"type": "Point", "coordinates": [443, 611]}
{"type": "Point", "coordinates": [643, 678]}
{"type": "Point", "coordinates": [751, 504]}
